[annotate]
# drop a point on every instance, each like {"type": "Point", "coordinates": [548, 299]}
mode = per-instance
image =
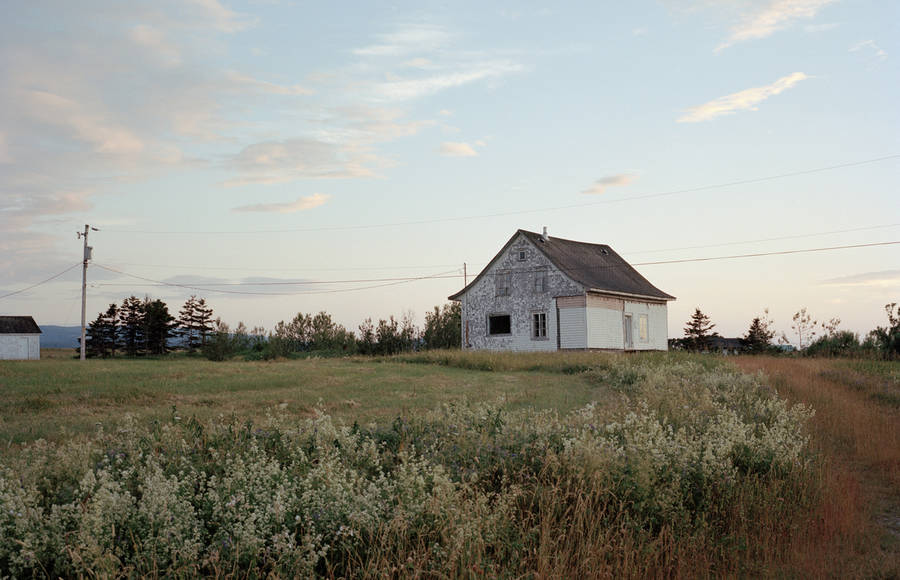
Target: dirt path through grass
{"type": "Point", "coordinates": [857, 431]}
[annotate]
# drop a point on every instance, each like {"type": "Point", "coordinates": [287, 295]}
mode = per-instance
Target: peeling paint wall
{"type": "Point", "coordinates": [523, 301]}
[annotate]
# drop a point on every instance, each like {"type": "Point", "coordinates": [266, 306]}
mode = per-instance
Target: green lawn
{"type": "Point", "coordinates": [59, 395]}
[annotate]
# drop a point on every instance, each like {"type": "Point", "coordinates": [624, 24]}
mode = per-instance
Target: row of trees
{"type": "Point", "coordinates": [145, 326]}
{"type": "Point", "coordinates": [813, 337]}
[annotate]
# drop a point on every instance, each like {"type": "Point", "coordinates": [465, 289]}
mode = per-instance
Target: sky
{"type": "Point", "coordinates": [277, 157]}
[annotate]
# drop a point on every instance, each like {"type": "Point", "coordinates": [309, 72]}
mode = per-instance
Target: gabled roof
{"type": "Point", "coordinates": [597, 267]}
{"type": "Point", "coordinates": [18, 325]}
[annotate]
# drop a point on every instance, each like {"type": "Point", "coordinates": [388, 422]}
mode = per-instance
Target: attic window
{"type": "Point", "coordinates": [521, 255]}
{"type": "Point", "coordinates": [502, 281]}
{"type": "Point", "coordinates": [540, 281]}
{"type": "Point", "coordinates": [499, 324]}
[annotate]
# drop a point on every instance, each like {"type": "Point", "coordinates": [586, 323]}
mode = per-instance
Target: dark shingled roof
{"type": "Point", "coordinates": [595, 266]}
{"type": "Point", "coordinates": [18, 325]}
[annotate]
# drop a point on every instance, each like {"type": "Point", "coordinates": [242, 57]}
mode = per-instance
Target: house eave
{"type": "Point", "coordinates": [658, 299]}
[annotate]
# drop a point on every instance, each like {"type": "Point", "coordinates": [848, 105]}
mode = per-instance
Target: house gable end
{"type": "Point", "coordinates": [519, 239]}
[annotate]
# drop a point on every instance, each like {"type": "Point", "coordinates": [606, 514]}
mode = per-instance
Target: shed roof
{"type": "Point", "coordinates": [597, 267]}
{"type": "Point", "coordinates": [18, 325]}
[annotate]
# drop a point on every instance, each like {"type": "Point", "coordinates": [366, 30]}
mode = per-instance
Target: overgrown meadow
{"type": "Point", "coordinates": [699, 470]}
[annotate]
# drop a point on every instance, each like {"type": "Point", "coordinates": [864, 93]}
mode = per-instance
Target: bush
{"type": "Point", "coordinates": [839, 343]}
{"type": "Point", "coordinates": [468, 489]}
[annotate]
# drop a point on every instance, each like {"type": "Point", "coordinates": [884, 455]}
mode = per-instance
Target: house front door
{"type": "Point", "coordinates": [629, 340]}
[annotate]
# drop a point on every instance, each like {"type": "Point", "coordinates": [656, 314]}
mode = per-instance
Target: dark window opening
{"type": "Point", "coordinates": [522, 255]}
{"type": "Point", "coordinates": [500, 324]}
{"type": "Point", "coordinates": [539, 325]}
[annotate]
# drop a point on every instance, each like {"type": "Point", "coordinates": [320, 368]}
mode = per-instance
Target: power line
{"type": "Point", "coordinates": [410, 267]}
{"type": "Point", "coordinates": [209, 288]}
{"type": "Point", "coordinates": [779, 238]}
{"type": "Point", "coordinates": [524, 211]}
{"type": "Point", "coordinates": [449, 274]}
{"type": "Point", "coordinates": [72, 267]}
{"type": "Point", "coordinates": [781, 253]}
{"type": "Point", "coordinates": [296, 269]}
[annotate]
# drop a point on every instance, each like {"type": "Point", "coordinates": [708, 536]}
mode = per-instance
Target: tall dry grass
{"type": "Point", "coordinates": [854, 529]}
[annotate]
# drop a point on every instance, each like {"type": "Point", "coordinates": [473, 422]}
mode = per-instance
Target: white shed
{"type": "Point", "coordinates": [20, 338]}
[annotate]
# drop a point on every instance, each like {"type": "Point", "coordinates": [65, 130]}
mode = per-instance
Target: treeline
{"type": "Point", "coordinates": [813, 338]}
{"type": "Point", "coordinates": [144, 326]}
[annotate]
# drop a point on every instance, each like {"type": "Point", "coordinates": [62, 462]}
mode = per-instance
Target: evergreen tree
{"type": "Point", "coordinates": [759, 336]}
{"type": "Point", "coordinates": [697, 335]}
{"type": "Point", "coordinates": [158, 326]}
{"type": "Point", "coordinates": [188, 324]}
{"type": "Point", "coordinates": [203, 320]}
{"type": "Point", "coordinates": [131, 324]}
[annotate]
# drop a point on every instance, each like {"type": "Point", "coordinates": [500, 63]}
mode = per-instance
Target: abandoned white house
{"type": "Point", "coordinates": [543, 293]}
{"type": "Point", "coordinates": [20, 338]}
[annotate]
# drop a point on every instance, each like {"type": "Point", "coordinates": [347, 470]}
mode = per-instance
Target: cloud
{"type": "Point", "coordinates": [746, 100]}
{"type": "Point", "coordinates": [408, 89]}
{"type": "Point", "coordinates": [882, 279]}
{"type": "Point", "coordinates": [155, 41]}
{"type": "Point", "coordinates": [271, 162]}
{"type": "Point", "coordinates": [610, 181]}
{"type": "Point", "coordinates": [245, 81]}
{"type": "Point", "coordinates": [411, 38]}
{"type": "Point", "coordinates": [222, 18]}
{"type": "Point", "coordinates": [451, 149]}
{"type": "Point", "coordinates": [870, 46]}
{"type": "Point", "coordinates": [86, 125]}
{"type": "Point", "coordinates": [301, 204]}
{"type": "Point", "coordinates": [777, 15]}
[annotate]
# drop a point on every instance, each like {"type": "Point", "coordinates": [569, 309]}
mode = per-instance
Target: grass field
{"type": "Point", "coordinates": [59, 395]}
{"type": "Point", "coordinates": [457, 465]}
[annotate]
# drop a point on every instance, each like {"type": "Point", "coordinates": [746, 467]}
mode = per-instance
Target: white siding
{"type": "Point", "coordinates": [20, 346]}
{"type": "Point", "coordinates": [573, 333]}
{"type": "Point", "coordinates": [657, 319]}
{"type": "Point", "coordinates": [605, 328]}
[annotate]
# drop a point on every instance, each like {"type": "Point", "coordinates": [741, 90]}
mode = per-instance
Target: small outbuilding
{"type": "Point", "coordinates": [543, 293]}
{"type": "Point", "coordinates": [20, 338]}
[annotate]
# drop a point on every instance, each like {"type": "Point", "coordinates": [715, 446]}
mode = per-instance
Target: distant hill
{"type": "Point", "coordinates": [67, 337]}
{"type": "Point", "coordinates": [60, 336]}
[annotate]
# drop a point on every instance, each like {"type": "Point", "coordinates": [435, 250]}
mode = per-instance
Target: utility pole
{"type": "Point", "coordinates": [465, 317]}
{"type": "Point", "coordinates": [87, 256]}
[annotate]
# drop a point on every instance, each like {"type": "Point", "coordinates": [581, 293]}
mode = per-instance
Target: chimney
{"type": "Point", "coordinates": [544, 237]}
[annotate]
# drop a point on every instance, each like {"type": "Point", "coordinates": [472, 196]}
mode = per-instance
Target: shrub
{"type": "Point", "coordinates": [467, 489]}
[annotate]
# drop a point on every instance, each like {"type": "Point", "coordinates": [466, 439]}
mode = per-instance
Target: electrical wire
{"type": "Point", "coordinates": [41, 282]}
{"type": "Point", "coordinates": [408, 267]}
{"type": "Point", "coordinates": [211, 288]}
{"type": "Point", "coordinates": [519, 212]}
{"type": "Point", "coordinates": [450, 275]}
{"type": "Point", "coordinates": [775, 239]}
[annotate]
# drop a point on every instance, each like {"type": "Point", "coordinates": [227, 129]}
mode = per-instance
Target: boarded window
{"type": "Point", "coordinates": [502, 280]}
{"type": "Point", "coordinates": [539, 325]}
{"type": "Point", "coordinates": [540, 281]}
{"type": "Point", "coordinates": [499, 324]}
{"type": "Point", "coordinates": [643, 328]}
